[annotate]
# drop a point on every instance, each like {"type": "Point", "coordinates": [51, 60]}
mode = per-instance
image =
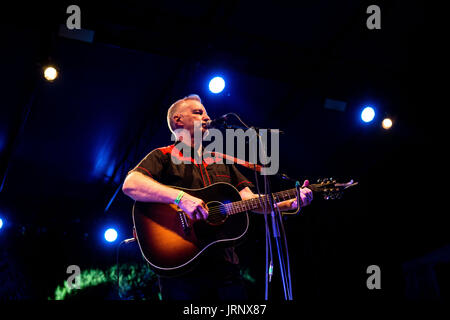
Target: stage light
{"type": "Point", "coordinates": [216, 85]}
{"type": "Point", "coordinates": [110, 235]}
{"type": "Point", "coordinates": [387, 123]}
{"type": "Point", "coordinates": [50, 73]}
{"type": "Point", "coordinates": [1, 223]}
{"type": "Point", "coordinates": [368, 114]}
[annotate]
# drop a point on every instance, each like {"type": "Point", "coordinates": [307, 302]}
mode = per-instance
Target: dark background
{"type": "Point", "coordinates": [66, 146]}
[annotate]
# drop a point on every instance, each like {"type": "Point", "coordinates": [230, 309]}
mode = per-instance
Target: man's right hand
{"type": "Point", "coordinates": [195, 208]}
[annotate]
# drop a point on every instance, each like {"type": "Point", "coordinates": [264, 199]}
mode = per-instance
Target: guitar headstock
{"type": "Point", "coordinates": [330, 189]}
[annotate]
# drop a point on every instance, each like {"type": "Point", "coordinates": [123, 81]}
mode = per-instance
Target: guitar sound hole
{"type": "Point", "coordinates": [217, 213]}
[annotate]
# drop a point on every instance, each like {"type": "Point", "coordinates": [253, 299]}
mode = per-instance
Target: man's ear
{"type": "Point", "coordinates": [177, 119]}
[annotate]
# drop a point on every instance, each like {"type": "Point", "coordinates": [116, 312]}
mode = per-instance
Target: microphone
{"type": "Point", "coordinates": [222, 122]}
{"type": "Point", "coordinates": [219, 122]}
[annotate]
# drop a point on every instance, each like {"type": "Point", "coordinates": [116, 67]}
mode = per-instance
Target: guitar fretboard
{"type": "Point", "coordinates": [256, 203]}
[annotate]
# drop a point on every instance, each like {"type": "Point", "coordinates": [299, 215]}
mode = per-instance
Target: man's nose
{"type": "Point", "coordinates": [206, 118]}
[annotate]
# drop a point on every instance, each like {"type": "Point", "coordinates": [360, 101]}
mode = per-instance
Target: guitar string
{"type": "Point", "coordinates": [291, 194]}
{"type": "Point", "coordinates": [221, 208]}
{"type": "Point", "coordinates": [216, 213]}
{"type": "Point", "coordinates": [235, 205]}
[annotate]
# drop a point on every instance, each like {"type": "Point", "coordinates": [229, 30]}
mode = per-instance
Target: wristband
{"type": "Point", "coordinates": [179, 196]}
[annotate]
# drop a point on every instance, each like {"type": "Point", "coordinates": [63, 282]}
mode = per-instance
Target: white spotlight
{"type": "Point", "coordinates": [216, 85]}
{"type": "Point", "coordinates": [367, 114]}
{"type": "Point", "coordinates": [50, 73]}
{"type": "Point", "coordinates": [110, 235]}
{"type": "Point", "coordinates": [387, 123]}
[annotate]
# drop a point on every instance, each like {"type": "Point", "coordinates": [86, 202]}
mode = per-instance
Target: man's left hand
{"type": "Point", "coordinates": [306, 196]}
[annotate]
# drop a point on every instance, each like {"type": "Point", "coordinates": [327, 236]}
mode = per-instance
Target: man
{"type": "Point", "coordinates": [217, 274]}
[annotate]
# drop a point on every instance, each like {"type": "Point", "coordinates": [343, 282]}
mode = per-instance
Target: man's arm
{"type": "Point", "coordinates": [142, 188]}
{"type": "Point", "coordinates": [145, 189]}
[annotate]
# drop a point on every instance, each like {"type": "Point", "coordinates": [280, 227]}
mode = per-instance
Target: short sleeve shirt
{"type": "Point", "coordinates": [159, 165]}
{"type": "Point", "coordinates": [173, 166]}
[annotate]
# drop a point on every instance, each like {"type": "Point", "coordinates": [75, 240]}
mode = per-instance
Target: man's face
{"type": "Point", "coordinates": [192, 115]}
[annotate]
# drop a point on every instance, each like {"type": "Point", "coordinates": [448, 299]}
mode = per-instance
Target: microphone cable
{"type": "Point", "coordinates": [269, 268]}
{"type": "Point", "coordinates": [117, 262]}
{"type": "Point", "coordinates": [263, 204]}
{"type": "Point", "coordinates": [286, 278]}
{"type": "Point", "coordinates": [283, 232]}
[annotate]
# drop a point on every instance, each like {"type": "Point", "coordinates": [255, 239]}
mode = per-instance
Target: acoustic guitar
{"type": "Point", "coordinates": [171, 242]}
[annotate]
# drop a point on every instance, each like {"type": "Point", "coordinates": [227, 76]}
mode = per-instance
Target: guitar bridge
{"type": "Point", "coordinates": [184, 222]}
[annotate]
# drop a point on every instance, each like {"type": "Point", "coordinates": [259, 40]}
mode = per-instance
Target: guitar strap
{"type": "Point", "coordinates": [249, 165]}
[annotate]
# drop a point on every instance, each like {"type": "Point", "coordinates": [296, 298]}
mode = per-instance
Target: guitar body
{"type": "Point", "coordinates": [171, 242]}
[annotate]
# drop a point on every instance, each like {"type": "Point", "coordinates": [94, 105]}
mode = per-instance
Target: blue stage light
{"type": "Point", "coordinates": [1, 223]}
{"type": "Point", "coordinates": [216, 85]}
{"type": "Point", "coordinates": [110, 235]}
{"type": "Point", "coordinates": [368, 114]}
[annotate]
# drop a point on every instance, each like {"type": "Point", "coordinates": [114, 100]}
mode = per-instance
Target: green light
{"type": "Point", "coordinates": [132, 277]}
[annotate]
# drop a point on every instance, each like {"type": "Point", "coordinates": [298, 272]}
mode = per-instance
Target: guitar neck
{"type": "Point", "coordinates": [259, 202]}
{"type": "Point", "coordinates": [328, 188]}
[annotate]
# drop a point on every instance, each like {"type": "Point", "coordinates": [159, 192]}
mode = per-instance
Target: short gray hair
{"type": "Point", "coordinates": [174, 108]}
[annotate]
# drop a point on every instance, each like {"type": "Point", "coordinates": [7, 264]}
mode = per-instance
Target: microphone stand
{"type": "Point", "coordinates": [277, 226]}
{"type": "Point", "coordinates": [280, 242]}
